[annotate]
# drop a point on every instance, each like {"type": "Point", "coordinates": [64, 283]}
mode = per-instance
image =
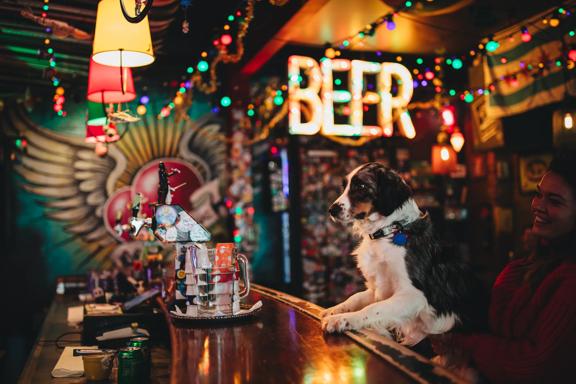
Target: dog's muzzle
{"type": "Point", "coordinates": [335, 210]}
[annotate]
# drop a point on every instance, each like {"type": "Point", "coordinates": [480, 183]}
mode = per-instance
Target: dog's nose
{"type": "Point", "coordinates": [335, 209]}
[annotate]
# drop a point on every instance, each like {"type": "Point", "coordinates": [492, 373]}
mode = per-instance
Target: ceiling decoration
{"type": "Point", "coordinates": [59, 28]}
{"type": "Point", "coordinates": [72, 23]}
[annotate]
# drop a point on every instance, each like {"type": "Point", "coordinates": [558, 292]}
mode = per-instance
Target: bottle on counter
{"type": "Point", "coordinates": [132, 366]}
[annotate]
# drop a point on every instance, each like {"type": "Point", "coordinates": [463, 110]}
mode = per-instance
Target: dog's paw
{"type": "Point", "coordinates": [331, 311]}
{"type": "Point", "coordinates": [336, 323]}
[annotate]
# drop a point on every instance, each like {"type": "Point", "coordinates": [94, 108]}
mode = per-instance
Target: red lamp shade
{"type": "Point", "coordinates": [98, 134]}
{"type": "Point", "coordinates": [444, 159]}
{"type": "Point", "coordinates": [110, 84]}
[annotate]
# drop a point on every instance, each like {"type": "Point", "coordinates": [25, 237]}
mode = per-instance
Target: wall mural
{"type": "Point", "coordinates": [87, 196]}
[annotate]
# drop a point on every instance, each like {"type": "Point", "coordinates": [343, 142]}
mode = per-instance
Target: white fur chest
{"type": "Point", "coordinates": [383, 266]}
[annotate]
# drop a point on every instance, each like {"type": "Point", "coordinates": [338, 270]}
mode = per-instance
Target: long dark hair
{"type": "Point", "coordinates": [550, 254]}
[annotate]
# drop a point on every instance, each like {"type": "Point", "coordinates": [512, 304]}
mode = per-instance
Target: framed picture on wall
{"type": "Point", "coordinates": [488, 132]}
{"type": "Point", "coordinates": [531, 169]}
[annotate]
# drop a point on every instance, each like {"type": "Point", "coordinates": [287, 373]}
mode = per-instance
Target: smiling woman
{"type": "Point", "coordinates": [554, 211]}
{"type": "Point", "coordinates": [554, 206]}
{"type": "Point", "coordinates": [533, 304]}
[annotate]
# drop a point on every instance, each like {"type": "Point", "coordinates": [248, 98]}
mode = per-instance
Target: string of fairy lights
{"type": "Point", "coordinates": [431, 75]}
{"type": "Point", "coordinates": [430, 72]}
{"type": "Point", "coordinates": [203, 75]}
{"type": "Point", "coordinates": [333, 49]}
{"type": "Point", "coordinates": [229, 48]}
{"type": "Point", "coordinates": [47, 51]}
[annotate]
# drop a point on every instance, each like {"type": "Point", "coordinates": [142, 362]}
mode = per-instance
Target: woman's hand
{"type": "Point", "coordinates": [448, 347]}
{"type": "Point", "coordinates": [442, 344]}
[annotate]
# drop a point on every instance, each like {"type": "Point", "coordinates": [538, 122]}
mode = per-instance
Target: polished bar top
{"type": "Point", "coordinates": [283, 343]}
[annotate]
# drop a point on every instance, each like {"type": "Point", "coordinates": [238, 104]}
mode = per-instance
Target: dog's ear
{"type": "Point", "coordinates": [392, 192]}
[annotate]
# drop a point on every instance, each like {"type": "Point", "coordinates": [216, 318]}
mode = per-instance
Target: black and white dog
{"type": "Point", "coordinates": [414, 288]}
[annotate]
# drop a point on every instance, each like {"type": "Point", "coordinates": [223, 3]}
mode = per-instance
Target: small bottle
{"type": "Point", "coordinates": [143, 343]}
{"type": "Point", "coordinates": [131, 366]}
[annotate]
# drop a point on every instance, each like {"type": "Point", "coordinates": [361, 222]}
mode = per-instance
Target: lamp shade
{"type": "Point", "coordinates": [96, 114]}
{"type": "Point", "coordinates": [444, 159]}
{"type": "Point", "coordinates": [110, 84]}
{"type": "Point", "coordinates": [118, 42]}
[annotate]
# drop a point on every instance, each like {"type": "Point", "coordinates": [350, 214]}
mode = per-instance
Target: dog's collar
{"type": "Point", "coordinates": [397, 227]}
{"type": "Point", "coordinates": [385, 231]}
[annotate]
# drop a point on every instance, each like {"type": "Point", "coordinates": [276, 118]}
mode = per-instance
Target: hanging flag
{"type": "Point", "coordinates": [522, 75]}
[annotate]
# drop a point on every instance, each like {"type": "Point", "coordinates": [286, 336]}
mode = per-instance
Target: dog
{"type": "Point", "coordinates": [414, 288]}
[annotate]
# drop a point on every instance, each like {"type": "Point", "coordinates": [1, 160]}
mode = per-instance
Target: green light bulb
{"type": "Point", "coordinates": [225, 101]}
{"type": "Point", "coordinates": [457, 64]}
{"type": "Point", "coordinates": [203, 66]}
{"type": "Point", "coordinates": [492, 45]}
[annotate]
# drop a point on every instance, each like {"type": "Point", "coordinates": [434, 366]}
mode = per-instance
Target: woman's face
{"type": "Point", "coordinates": [553, 207]}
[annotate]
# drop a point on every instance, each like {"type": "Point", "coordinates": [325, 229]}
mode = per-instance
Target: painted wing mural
{"type": "Point", "coordinates": [90, 195]}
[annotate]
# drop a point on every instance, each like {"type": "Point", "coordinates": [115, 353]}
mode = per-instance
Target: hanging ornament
{"type": "Point", "coordinates": [101, 149]}
{"type": "Point", "coordinates": [185, 4]}
{"type": "Point", "coordinates": [457, 140]}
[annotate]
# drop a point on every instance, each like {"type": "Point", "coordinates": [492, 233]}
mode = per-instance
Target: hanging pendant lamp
{"type": "Point", "coordinates": [444, 159]}
{"type": "Point", "coordinates": [110, 84]}
{"type": "Point", "coordinates": [118, 42]}
{"type": "Point", "coordinates": [457, 140]}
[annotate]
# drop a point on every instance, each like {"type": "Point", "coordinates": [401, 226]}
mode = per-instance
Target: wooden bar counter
{"type": "Point", "coordinates": [282, 343]}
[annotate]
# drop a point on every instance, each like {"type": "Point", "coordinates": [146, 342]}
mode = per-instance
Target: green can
{"type": "Point", "coordinates": [144, 343]}
{"type": "Point", "coordinates": [131, 366]}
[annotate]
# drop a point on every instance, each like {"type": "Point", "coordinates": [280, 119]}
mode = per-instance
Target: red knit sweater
{"type": "Point", "coordinates": [533, 332]}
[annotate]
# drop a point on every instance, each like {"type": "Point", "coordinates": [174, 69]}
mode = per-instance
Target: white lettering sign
{"type": "Point", "coordinates": [321, 108]}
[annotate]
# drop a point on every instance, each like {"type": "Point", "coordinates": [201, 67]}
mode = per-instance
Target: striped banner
{"type": "Point", "coordinates": [525, 75]}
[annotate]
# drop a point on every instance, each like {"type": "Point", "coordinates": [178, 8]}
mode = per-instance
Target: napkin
{"type": "Point", "coordinates": [69, 365]}
{"type": "Point", "coordinates": [106, 309]}
{"type": "Point", "coordinates": [75, 314]}
{"type": "Point", "coordinates": [254, 307]}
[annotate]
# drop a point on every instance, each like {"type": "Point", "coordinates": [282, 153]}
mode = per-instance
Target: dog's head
{"type": "Point", "coordinates": [370, 188]}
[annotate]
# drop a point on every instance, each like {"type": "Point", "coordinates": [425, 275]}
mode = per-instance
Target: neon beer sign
{"type": "Point", "coordinates": [320, 96]}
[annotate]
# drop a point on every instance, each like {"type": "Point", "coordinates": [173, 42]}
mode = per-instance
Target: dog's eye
{"type": "Point", "coordinates": [362, 186]}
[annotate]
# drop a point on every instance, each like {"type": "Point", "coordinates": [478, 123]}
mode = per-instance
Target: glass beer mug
{"type": "Point", "coordinates": [209, 280]}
